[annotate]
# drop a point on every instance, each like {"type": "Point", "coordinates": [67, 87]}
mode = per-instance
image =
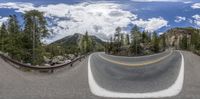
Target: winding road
{"type": "Point", "coordinates": [101, 76]}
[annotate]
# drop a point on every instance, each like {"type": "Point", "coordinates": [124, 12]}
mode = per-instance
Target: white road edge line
{"type": "Point", "coordinates": [173, 90]}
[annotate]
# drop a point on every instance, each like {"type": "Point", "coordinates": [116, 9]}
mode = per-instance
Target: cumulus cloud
{"type": "Point", "coordinates": [187, 2]}
{"type": "Point", "coordinates": [151, 24]}
{"type": "Point", "coordinates": [96, 18]}
{"type": "Point", "coordinates": [196, 6]}
{"type": "Point", "coordinates": [20, 7]}
{"type": "Point", "coordinates": [179, 19]}
{"type": "Point", "coordinates": [196, 19]}
{"type": "Point", "coordinates": [160, 0]}
{"type": "Point", "coordinates": [3, 19]}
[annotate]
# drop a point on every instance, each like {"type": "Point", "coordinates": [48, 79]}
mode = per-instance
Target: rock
{"type": "Point", "coordinates": [55, 60]}
{"type": "Point", "coordinates": [61, 62]}
{"type": "Point", "coordinates": [60, 57]}
{"type": "Point", "coordinates": [5, 54]}
{"type": "Point", "coordinates": [67, 61]}
{"type": "Point", "coordinates": [71, 56]}
{"type": "Point", "coordinates": [29, 64]}
{"type": "Point", "coordinates": [58, 60]}
{"type": "Point", "coordinates": [47, 60]}
{"type": "Point", "coordinates": [47, 65]}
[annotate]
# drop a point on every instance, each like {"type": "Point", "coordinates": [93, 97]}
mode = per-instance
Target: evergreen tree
{"type": "Point", "coordinates": [194, 40]}
{"type": "Point", "coordinates": [127, 39]}
{"type": "Point", "coordinates": [163, 42]}
{"type": "Point", "coordinates": [136, 40]}
{"type": "Point", "coordinates": [184, 43]}
{"type": "Point", "coordinates": [3, 37]}
{"type": "Point", "coordinates": [117, 34]}
{"type": "Point", "coordinates": [155, 41]}
{"type": "Point", "coordinates": [86, 44]}
{"type": "Point", "coordinates": [35, 30]}
{"type": "Point", "coordinates": [14, 48]}
{"type": "Point", "coordinates": [122, 39]}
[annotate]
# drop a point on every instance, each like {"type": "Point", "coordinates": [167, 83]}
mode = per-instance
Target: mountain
{"type": "Point", "coordinates": [74, 41]}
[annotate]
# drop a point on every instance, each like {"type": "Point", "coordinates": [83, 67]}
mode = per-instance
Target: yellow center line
{"type": "Point", "coordinates": [138, 64]}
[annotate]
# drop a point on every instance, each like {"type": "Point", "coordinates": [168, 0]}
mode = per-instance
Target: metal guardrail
{"type": "Point", "coordinates": [43, 67]}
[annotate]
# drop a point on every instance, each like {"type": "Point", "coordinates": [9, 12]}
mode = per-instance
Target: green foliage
{"type": "Point", "coordinates": [25, 44]}
{"type": "Point", "coordinates": [184, 43]}
{"type": "Point", "coordinates": [155, 42]}
{"type": "Point", "coordinates": [127, 41]}
{"type": "Point", "coordinates": [141, 43]}
{"type": "Point", "coordinates": [35, 30]}
{"type": "Point", "coordinates": [86, 44]}
{"type": "Point", "coordinates": [195, 40]}
{"type": "Point", "coordinates": [13, 43]}
{"type": "Point", "coordinates": [75, 44]}
{"type": "Point", "coordinates": [163, 42]}
{"type": "Point", "coordinates": [136, 40]}
{"type": "Point", "coordinates": [3, 37]}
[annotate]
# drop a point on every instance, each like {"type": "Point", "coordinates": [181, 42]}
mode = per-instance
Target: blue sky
{"type": "Point", "coordinates": [100, 17]}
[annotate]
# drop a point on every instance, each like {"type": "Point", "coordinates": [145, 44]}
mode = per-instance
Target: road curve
{"type": "Point", "coordinates": [72, 83]}
{"type": "Point", "coordinates": [144, 79]}
{"type": "Point", "coordinates": [134, 61]}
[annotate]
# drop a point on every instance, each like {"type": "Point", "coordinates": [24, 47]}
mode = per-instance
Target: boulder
{"type": "Point", "coordinates": [46, 60]}
{"type": "Point", "coordinates": [71, 56]}
{"type": "Point", "coordinates": [58, 60]}
{"type": "Point", "coordinates": [67, 61]}
{"type": "Point", "coordinates": [29, 64]}
{"type": "Point", "coordinates": [47, 65]}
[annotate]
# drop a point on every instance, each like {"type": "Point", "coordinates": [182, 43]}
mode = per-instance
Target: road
{"type": "Point", "coordinates": [72, 83]}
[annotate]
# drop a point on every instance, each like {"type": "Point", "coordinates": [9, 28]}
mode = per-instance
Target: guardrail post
{"type": "Point", "coordinates": [71, 64]}
{"type": "Point", "coordinates": [52, 70]}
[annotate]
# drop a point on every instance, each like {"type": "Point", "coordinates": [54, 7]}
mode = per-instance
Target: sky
{"type": "Point", "coordinates": [101, 17]}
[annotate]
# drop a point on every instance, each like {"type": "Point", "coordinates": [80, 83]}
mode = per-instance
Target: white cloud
{"type": "Point", "coordinates": [151, 24]}
{"type": "Point", "coordinates": [179, 19]}
{"type": "Point", "coordinates": [20, 7]}
{"type": "Point", "coordinates": [160, 33]}
{"type": "Point", "coordinates": [196, 19]}
{"type": "Point", "coordinates": [100, 19]}
{"type": "Point", "coordinates": [196, 6]}
{"type": "Point", "coordinates": [160, 0]}
{"type": "Point", "coordinates": [187, 2]}
{"type": "Point", "coordinates": [3, 19]}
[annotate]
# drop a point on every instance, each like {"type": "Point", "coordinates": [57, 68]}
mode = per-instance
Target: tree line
{"type": "Point", "coordinates": [23, 43]}
{"type": "Point", "coordinates": [135, 43]}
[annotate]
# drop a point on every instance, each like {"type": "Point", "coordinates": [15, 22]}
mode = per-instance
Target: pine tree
{"type": "Point", "coordinates": [35, 30]}
{"type": "Point", "coordinates": [14, 48]}
{"type": "Point", "coordinates": [155, 42]}
{"type": "Point", "coordinates": [117, 34]}
{"type": "Point", "coordinates": [184, 42]}
{"type": "Point", "coordinates": [122, 39]}
{"type": "Point", "coordinates": [136, 40]}
{"type": "Point", "coordinates": [163, 41]}
{"type": "Point", "coordinates": [3, 37]}
{"type": "Point", "coordinates": [127, 39]}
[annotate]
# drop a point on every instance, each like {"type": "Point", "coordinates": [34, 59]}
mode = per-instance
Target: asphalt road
{"type": "Point", "coordinates": [139, 79]}
{"type": "Point", "coordinates": [72, 83]}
